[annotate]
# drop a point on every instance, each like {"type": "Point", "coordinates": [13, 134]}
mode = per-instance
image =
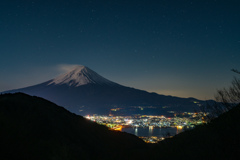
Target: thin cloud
{"type": "Point", "coordinates": [63, 68]}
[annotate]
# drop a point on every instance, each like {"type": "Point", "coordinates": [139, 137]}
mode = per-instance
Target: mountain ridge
{"type": "Point", "coordinates": [35, 128]}
{"type": "Point", "coordinates": [83, 91]}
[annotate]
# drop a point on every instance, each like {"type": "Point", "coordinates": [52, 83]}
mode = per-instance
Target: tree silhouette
{"type": "Point", "coordinates": [236, 71]}
{"type": "Point", "coordinates": [226, 99]}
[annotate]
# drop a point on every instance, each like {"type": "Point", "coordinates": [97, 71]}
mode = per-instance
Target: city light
{"type": "Point", "coordinates": [185, 120]}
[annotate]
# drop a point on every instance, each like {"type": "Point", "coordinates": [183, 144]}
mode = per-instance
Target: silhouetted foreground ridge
{"type": "Point", "coordinates": [220, 139]}
{"type": "Point", "coordinates": [34, 128]}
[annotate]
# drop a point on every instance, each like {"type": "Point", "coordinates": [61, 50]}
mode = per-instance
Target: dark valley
{"type": "Point", "coordinates": [34, 128]}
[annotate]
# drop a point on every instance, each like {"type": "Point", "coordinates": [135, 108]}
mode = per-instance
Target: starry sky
{"type": "Point", "coordinates": [182, 48]}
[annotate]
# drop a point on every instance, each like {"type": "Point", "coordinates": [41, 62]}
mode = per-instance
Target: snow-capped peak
{"type": "Point", "coordinates": [79, 76]}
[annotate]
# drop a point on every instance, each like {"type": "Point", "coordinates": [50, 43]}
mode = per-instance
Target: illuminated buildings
{"type": "Point", "coordinates": [119, 122]}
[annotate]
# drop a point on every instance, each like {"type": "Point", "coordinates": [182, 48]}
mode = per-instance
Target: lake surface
{"type": "Point", "coordinates": [158, 132]}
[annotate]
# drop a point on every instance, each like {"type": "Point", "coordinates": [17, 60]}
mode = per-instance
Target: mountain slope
{"type": "Point", "coordinates": [34, 128]}
{"type": "Point", "coordinates": [79, 76]}
{"type": "Point", "coordinates": [83, 91]}
{"type": "Point", "coordinates": [220, 139]}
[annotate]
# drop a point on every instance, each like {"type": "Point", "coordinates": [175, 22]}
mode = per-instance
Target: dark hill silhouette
{"type": "Point", "coordinates": [34, 128]}
{"type": "Point", "coordinates": [220, 139]}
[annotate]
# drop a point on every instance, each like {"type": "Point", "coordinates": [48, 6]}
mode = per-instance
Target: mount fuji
{"type": "Point", "coordinates": [83, 91]}
{"type": "Point", "coordinates": [80, 76]}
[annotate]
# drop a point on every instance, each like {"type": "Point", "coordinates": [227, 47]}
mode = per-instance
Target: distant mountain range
{"type": "Point", "coordinates": [83, 91]}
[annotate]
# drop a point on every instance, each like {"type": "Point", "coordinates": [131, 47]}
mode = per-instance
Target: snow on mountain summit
{"type": "Point", "coordinates": [80, 75]}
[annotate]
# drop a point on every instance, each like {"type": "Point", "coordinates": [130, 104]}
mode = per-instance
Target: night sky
{"type": "Point", "coordinates": [183, 48]}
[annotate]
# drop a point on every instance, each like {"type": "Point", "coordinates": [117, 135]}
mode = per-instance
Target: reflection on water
{"type": "Point", "coordinates": [136, 131]}
{"type": "Point", "coordinates": [148, 132]}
